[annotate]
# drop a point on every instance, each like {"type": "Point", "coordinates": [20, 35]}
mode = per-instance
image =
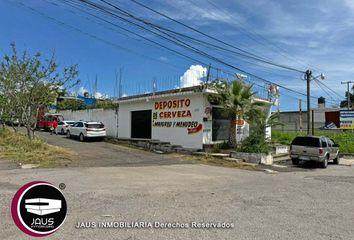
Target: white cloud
{"type": "Point", "coordinates": [349, 4]}
{"type": "Point", "coordinates": [99, 95]}
{"type": "Point", "coordinates": [82, 91]}
{"type": "Point", "coordinates": [193, 76]}
{"type": "Point", "coordinates": [200, 12]}
{"type": "Point", "coordinates": [163, 58]}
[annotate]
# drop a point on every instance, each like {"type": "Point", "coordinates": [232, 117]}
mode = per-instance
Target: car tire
{"type": "Point", "coordinates": [295, 161]}
{"type": "Point", "coordinates": [82, 137]}
{"type": "Point", "coordinates": [68, 135]}
{"type": "Point", "coordinates": [324, 164]}
{"type": "Point", "coordinates": [336, 160]}
{"type": "Point", "coordinates": [62, 131]}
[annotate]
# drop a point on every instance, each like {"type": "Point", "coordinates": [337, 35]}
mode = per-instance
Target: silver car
{"type": "Point", "coordinates": [312, 148]}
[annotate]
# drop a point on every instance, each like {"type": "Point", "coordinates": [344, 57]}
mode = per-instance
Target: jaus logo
{"type": "Point", "coordinates": [39, 209]}
{"type": "Point", "coordinates": [42, 206]}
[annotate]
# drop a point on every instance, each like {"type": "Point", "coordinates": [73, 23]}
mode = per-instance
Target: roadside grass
{"type": "Point", "coordinates": [344, 139]}
{"type": "Point", "coordinates": [17, 147]}
{"type": "Point", "coordinates": [210, 160]}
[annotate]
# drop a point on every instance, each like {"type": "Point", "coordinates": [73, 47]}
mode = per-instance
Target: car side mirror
{"type": "Point", "coordinates": [335, 145]}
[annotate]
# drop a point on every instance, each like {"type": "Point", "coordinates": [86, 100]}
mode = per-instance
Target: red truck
{"type": "Point", "coordinates": [45, 121]}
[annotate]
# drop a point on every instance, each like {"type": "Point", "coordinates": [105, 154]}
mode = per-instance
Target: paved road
{"type": "Point", "coordinates": [103, 154]}
{"type": "Point", "coordinates": [293, 205]}
{"type": "Point", "coordinates": [312, 204]}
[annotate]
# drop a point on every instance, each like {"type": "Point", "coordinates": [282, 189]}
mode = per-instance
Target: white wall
{"type": "Point", "coordinates": [175, 135]}
{"type": "Point", "coordinates": [108, 117]}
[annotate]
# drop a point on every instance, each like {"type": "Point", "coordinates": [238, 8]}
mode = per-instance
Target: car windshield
{"type": "Point", "coordinates": [94, 125]}
{"type": "Point", "coordinates": [306, 141]}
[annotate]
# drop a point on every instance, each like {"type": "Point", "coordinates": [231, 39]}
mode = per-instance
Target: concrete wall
{"type": "Point", "coordinates": [108, 117]}
{"type": "Point", "coordinates": [173, 134]}
{"type": "Point", "coordinates": [291, 120]}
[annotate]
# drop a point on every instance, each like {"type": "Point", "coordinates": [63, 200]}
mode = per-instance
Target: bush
{"type": "Point", "coordinates": [217, 147]}
{"type": "Point", "coordinates": [255, 143]}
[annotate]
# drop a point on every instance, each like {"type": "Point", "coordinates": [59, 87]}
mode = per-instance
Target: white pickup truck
{"type": "Point", "coordinates": [312, 148]}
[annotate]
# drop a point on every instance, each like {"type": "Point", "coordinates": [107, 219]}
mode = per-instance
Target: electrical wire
{"type": "Point", "coordinates": [198, 51]}
{"type": "Point", "coordinates": [253, 56]}
{"type": "Point", "coordinates": [62, 23]}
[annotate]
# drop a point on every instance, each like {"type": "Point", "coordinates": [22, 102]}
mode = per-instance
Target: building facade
{"type": "Point", "coordinates": [184, 117]}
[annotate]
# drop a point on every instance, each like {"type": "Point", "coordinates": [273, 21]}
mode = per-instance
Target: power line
{"type": "Point", "coordinates": [316, 81]}
{"type": "Point", "coordinates": [255, 57]}
{"type": "Point", "coordinates": [176, 41]}
{"type": "Point", "coordinates": [253, 36]}
{"type": "Point", "coordinates": [95, 37]}
{"type": "Point", "coordinates": [92, 35]}
{"type": "Point", "coordinates": [198, 51]}
{"type": "Point", "coordinates": [330, 89]}
{"type": "Point", "coordinates": [139, 35]}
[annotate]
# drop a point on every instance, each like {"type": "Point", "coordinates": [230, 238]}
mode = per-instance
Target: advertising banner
{"type": "Point", "coordinates": [347, 119]}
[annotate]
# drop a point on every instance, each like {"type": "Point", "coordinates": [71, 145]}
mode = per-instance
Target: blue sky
{"type": "Point", "coordinates": [302, 34]}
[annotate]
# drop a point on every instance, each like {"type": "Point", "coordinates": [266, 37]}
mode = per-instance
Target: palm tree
{"type": "Point", "coordinates": [237, 98]}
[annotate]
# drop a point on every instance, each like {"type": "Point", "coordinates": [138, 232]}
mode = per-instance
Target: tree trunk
{"type": "Point", "coordinates": [232, 132]}
{"type": "Point", "coordinates": [13, 126]}
{"type": "Point", "coordinates": [29, 132]}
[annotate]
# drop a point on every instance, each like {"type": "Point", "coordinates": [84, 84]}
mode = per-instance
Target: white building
{"type": "Point", "coordinates": [182, 117]}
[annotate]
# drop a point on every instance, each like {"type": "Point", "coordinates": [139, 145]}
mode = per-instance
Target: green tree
{"type": "Point", "coordinates": [237, 99]}
{"type": "Point", "coordinates": [28, 82]}
{"type": "Point", "coordinates": [71, 104]}
{"type": "Point", "coordinates": [344, 103]}
{"type": "Point", "coordinates": [260, 120]}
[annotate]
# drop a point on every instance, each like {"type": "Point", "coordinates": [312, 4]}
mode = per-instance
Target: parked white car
{"type": "Point", "coordinates": [86, 129]}
{"type": "Point", "coordinates": [63, 126]}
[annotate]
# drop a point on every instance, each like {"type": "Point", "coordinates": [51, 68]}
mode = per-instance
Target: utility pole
{"type": "Point", "coordinates": [300, 112]}
{"type": "Point", "coordinates": [308, 76]}
{"type": "Point", "coordinates": [116, 86]}
{"type": "Point", "coordinates": [208, 74]}
{"type": "Point", "coordinates": [154, 86]}
{"type": "Point", "coordinates": [348, 93]}
{"type": "Point", "coordinates": [313, 122]}
{"type": "Point", "coordinates": [95, 87]}
{"type": "Point", "coordinates": [120, 83]}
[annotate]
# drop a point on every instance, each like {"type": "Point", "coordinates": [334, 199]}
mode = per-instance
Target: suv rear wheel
{"type": "Point", "coordinates": [336, 160]}
{"type": "Point", "coordinates": [324, 164]}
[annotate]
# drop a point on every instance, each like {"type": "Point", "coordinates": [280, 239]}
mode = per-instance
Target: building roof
{"type": "Point", "coordinates": [177, 91]}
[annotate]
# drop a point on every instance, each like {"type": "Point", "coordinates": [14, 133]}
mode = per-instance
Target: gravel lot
{"type": "Point", "coordinates": [311, 204]}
